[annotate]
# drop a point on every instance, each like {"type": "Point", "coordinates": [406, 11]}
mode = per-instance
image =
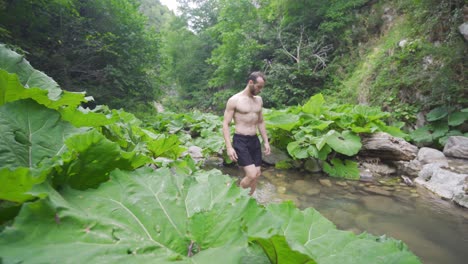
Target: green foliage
{"type": "Point", "coordinates": [239, 44]}
{"type": "Point", "coordinates": [81, 189]}
{"type": "Point", "coordinates": [162, 216]}
{"type": "Point", "coordinates": [343, 169]}
{"type": "Point", "coordinates": [443, 123]}
{"type": "Point", "coordinates": [413, 62]}
{"type": "Point", "coordinates": [319, 130]}
{"type": "Point", "coordinates": [102, 47]}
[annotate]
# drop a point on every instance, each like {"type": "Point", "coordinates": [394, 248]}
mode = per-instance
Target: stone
{"type": "Point", "coordinates": [387, 147]}
{"type": "Point", "coordinates": [195, 152]}
{"type": "Point", "coordinates": [341, 183]}
{"type": "Point", "coordinates": [432, 156]}
{"type": "Point", "coordinates": [463, 28]}
{"type": "Point", "coordinates": [276, 155]}
{"type": "Point", "coordinates": [410, 168]}
{"type": "Point", "coordinates": [281, 189]}
{"type": "Point", "coordinates": [445, 183]}
{"type": "Point", "coordinates": [305, 187]}
{"type": "Point", "coordinates": [365, 175]}
{"type": "Point", "coordinates": [378, 191]}
{"type": "Point", "coordinates": [325, 182]}
{"type": "Point", "coordinates": [380, 169]}
{"type": "Point", "coordinates": [312, 165]}
{"type": "Point", "coordinates": [457, 147]}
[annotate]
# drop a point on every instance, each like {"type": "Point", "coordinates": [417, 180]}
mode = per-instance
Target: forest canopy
{"type": "Point", "coordinates": [406, 56]}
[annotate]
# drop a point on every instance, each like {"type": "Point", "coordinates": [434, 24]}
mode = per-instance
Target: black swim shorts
{"type": "Point", "coordinates": [248, 150]}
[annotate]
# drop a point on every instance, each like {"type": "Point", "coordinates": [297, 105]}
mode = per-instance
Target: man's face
{"type": "Point", "coordinates": [256, 87]}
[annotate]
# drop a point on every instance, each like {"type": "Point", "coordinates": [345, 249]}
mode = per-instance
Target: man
{"type": "Point", "coordinates": [245, 108]}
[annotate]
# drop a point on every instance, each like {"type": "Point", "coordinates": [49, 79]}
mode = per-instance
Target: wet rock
{"type": "Point", "coordinates": [378, 191]}
{"type": "Point", "coordinates": [325, 182]}
{"type": "Point", "coordinates": [195, 152]}
{"type": "Point", "coordinates": [388, 188]}
{"type": "Point", "coordinates": [431, 156]}
{"type": "Point", "coordinates": [281, 189]}
{"type": "Point", "coordinates": [305, 187]}
{"type": "Point", "coordinates": [267, 174]}
{"type": "Point", "coordinates": [365, 175]}
{"type": "Point", "coordinates": [463, 28]}
{"type": "Point", "coordinates": [290, 197]}
{"type": "Point", "coordinates": [445, 183]}
{"type": "Point", "coordinates": [458, 165]}
{"type": "Point", "coordinates": [213, 162]}
{"type": "Point", "coordinates": [312, 165]}
{"type": "Point", "coordinates": [341, 183]}
{"type": "Point", "coordinates": [410, 168]}
{"type": "Point", "coordinates": [275, 156]}
{"type": "Point", "coordinates": [387, 147]}
{"type": "Point", "coordinates": [379, 169]}
{"type": "Point", "coordinates": [457, 147]}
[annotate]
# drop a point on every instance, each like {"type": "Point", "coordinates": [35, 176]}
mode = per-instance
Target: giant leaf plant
{"type": "Point", "coordinates": [60, 166]}
{"type": "Point", "coordinates": [317, 130]}
{"type": "Point", "coordinates": [148, 216]}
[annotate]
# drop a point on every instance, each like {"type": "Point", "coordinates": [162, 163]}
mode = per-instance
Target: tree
{"type": "Point", "coordinates": [102, 47]}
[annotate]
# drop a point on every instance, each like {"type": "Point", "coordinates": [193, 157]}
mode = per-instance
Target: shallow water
{"type": "Point", "coordinates": [434, 229]}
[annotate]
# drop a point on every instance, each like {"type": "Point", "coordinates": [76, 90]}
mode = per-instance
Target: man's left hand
{"type": "Point", "coordinates": [267, 150]}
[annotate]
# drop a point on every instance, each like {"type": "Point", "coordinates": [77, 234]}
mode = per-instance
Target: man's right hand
{"type": "Point", "coordinates": [232, 154]}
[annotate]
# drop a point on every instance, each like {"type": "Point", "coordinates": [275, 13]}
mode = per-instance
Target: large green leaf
{"type": "Point", "coordinates": [422, 134]}
{"type": "Point", "coordinates": [166, 146]}
{"type": "Point", "coordinates": [314, 105]}
{"type": "Point", "coordinates": [457, 118]}
{"type": "Point", "coordinates": [89, 158]}
{"type": "Point", "coordinates": [149, 216]}
{"type": "Point", "coordinates": [346, 142]}
{"type": "Point", "coordinates": [297, 150]}
{"type": "Point", "coordinates": [282, 120]}
{"type": "Point", "coordinates": [311, 234]}
{"type": "Point", "coordinates": [12, 62]}
{"type": "Point", "coordinates": [278, 251]}
{"type": "Point", "coordinates": [437, 113]}
{"type": "Point", "coordinates": [30, 133]}
{"type": "Point", "coordinates": [368, 113]}
{"type": "Point", "coordinates": [343, 169]}
{"type": "Point", "coordinates": [17, 183]}
{"type": "Point", "coordinates": [141, 217]}
{"type": "Point", "coordinates": [11, 90]}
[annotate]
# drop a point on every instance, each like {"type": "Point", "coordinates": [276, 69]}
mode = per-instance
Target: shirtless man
{"type": "Point", "coordinates": [245, 108]}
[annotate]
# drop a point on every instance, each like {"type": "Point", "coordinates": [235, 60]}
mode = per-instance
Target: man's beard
{"type": "Point", "coordinates": [253, 91]}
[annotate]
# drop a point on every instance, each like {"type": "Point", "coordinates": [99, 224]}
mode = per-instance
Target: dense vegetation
{"type": "Point", "coordinates": [76, 180]}
{"type": "Point", "coordinates": [351, 51]}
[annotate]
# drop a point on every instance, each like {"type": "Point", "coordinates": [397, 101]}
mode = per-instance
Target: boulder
{"type": "Point", "coordinates": [195, 152]}
{"type": "Point", "coordinates": [276, 155]}
{"type": "Point", "coordinates": [379, 169]}
{"type": "Point", "coordinates": [312, 165]}
{"type": "Point", "coordinates": [463, 28]}
{"type": "Point", "coordinates": [409, 168]}
{"type": "Point", "coordinates": [445, 183]}
{"type": "Point", "coordinates": [387, 147]}
{"type": "Point", "coordinates": [432, 156]}
{"type": "Point", "coordinates": [457, 147]}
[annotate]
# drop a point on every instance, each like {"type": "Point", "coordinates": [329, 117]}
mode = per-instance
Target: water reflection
{"type": "Point", "coordinates": [434, 229]}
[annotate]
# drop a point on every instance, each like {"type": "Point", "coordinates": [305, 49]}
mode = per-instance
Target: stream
{"type": "Point", "coordinates": [434, 229]}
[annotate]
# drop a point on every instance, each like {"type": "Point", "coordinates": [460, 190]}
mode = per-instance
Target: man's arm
{"type": "Point", "coordinates": [228, 115]}
{"type": "Point", "coordinates": [263, 133]}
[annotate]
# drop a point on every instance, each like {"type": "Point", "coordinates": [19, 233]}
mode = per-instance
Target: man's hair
{"type": "Point", "coordinates": [254, 75]}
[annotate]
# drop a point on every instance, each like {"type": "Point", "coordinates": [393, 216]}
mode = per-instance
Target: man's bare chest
{"type": "Point", "coordinates": [248, 106]}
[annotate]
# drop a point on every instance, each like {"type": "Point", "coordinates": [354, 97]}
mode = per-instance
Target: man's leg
{"type": "Point", "coordinates": [251, 176]}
